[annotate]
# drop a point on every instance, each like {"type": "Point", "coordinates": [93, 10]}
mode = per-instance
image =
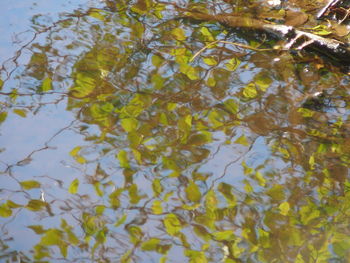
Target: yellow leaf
{"type": "Point", "coordinates": [47, 85]}
{"type": "Point", "coordinates": [21, 113]}
{"type": "Point", "coordinates": [233, 64]}
{"type": "Point", "coordinates": [73, 188]}
{"type": "Point", "coordinates": [284, 208]}
{"type": "Point", "coordinates": [193, 193]}
{"type": "Point", "coordinates": [210, 61]}
{"type": "Point", "coordinates": [123, 159]}
{"type": "Point", "coordinates": [179, 34]}
{"type": "Point", "coordinates": [129, 124]}
{"type": "Point", "coordinates": [250, 91]}
{"type": "Point", "coordinates": [242, 140]}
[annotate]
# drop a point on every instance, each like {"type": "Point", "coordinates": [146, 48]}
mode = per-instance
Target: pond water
{"type": "Point", "coordinates": [147, 131]}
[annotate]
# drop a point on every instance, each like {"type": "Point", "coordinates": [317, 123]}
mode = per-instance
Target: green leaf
{"type": "Point", "coordinates": [3, 116]}
{"type": "Point", "coordinates": [97, 188]}
{"type": "Point", "coordinates": [172, 224]}
{"type": "Point", "coordinates": [75, 151]}
{"type": "Point", "coordinates": [150, 245]}
{"type": "Point", "coordinates": [231, 106]}
{"type": "Point", "coordinates": [5, 211]}
{"type": "Point", "coordinates": [189, 71]}
{"type": "Point", "coordinates": [123, 159]}
{"type": "Point", "coordinates": [284, 208]}
{"type": "Point", "coordinates": [179, 34]}
{"type": "Point", "coordinates": [52, 237]}
{"type": "Point", "coordinates": [210, 61]}
{"type": "Point", "coordinates": [47, 85]}
{"type": "Point", "coordinates": [157, 187]}
{"type": "Point", "coordinates": [1, 83]}
{"type": "Point", "coordinates": [35, 205]}
{"type": "Point", "coordinates": [262, 81]}
{"type": "Point", "coordinates": [233, 64]}
{"type": "Point", "coordinates": [321, 30]}
{"type": "Point", "coordinates": [12, 204]}
{"type": "Point", "coordinates": [192, 192]}
{"type": "Point", "coordinates": [157, 60]}
{"type": "Point", "coordinates": [250, 91]}
{"type": "Point", "coordinates": [276, 193]}
{"type": "Point", "coordinates": [224, 235]}
{"type": "Point", "coordinates": [38, 229]}
{"type": "Point", "coordinates": [242, 140]}
{"type": "Point", "coordinates": [208, 35]}
{"type": "Point", "coordinates": [22, 113]}
{"type": "Point", "coordinates": [73, 188]}
{"type": "Point", "coordinates": [121, 220]}
{"type": "Point", "coordinates": [157, 208]}
{"type": "Point", "coordinates": [129, 124]}
{"type": "Point", "coordinates": [27, 185]}
{"type": "Point", "coordinates": [226, 190]}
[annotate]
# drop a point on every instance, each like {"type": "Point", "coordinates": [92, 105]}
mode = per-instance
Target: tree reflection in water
{"type": "Point", "coordinates": [221, 159]}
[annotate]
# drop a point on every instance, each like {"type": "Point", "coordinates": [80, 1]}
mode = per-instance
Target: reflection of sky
{"type": "Point", "coordinates": [20, 136]}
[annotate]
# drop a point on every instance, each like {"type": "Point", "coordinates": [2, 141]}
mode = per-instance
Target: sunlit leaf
{"type": "Point", "coordinates": [129, 124]}
{"type": "Point", "coordinates": [172, 224]}
{"type": "Point", "coordinates": [20, 112]}
{"type": "Point", "coordinates": [98, 14]}
{"type": "Point", "coordinates": [134, 194]}
{"type": "Point", "coordinates": [38, 229]}
{"type": "Point", "coordinates": [114, 198]}
{"type": "Point", "coordinates": [321, 30]}
{"type": "Point", "coordinates": [179, 34]}
{"type": "Point", "coordinates": [3, 116]}
{"type": "Point", "coordinates": [121, 220]}
{"type": "Point", "coordinates": [157, 208]}
{"type": "Point", "coordinates": [35, 205]}
{"type": "Point", "coordinates": [211, 82]}
{"type": "Point", "coordinates": [52, 237]}
{"type": "Point", "coordinates": [262, 81]}
{"type": "Point", "coordinates": [312, 162]}
{"type": "Point", "coordinates": [195, 256]}
{"type": "Point", "coordinates": [242, 140]}
{"type": "Point", "coordinates": [157, 187]}
{"type": "Point", "coordinates": [192, 192]}
{"type": "Point", "coordinates": [208, 35]}
{"type": "Point", "coordinates": [123, 159]}
{"type": "Point", "coordinates": [27, 185]}
{"type": "Point", "coordinates": [250, 91]}
{"type": "Point", "coordinates": [150, 244]}
{"type": "Point", "coordinates": [73, 188]}
{"type": "Point", "coordinates": [231, 106]}
{"type": "Point", "coordinates": [227, 235]}
{"type": "Point", "coordinates": [98, 190]}
{"type": "Point", "coordinates": [157, 60]}
{"type": "Point", "coordinates": [5, 211]}
{"type": "Point", "coordinates": [233, 64]}
{"type": "Point", "coordinates": [284, 208]}
{"type": "Point", "coordinates": [210, 61]}
{"type": "Point", "coordinates": [1, 83]}
{"type": "Point", "coordinates": [135, 234]}
{"type": "Point", "coordinates": [47, 85]}
{"type": "Point", "coordinates": [191, 72]}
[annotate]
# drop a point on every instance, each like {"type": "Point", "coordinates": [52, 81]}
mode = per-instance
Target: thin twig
{"type": "Point", "coordinates": [231, 43]}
